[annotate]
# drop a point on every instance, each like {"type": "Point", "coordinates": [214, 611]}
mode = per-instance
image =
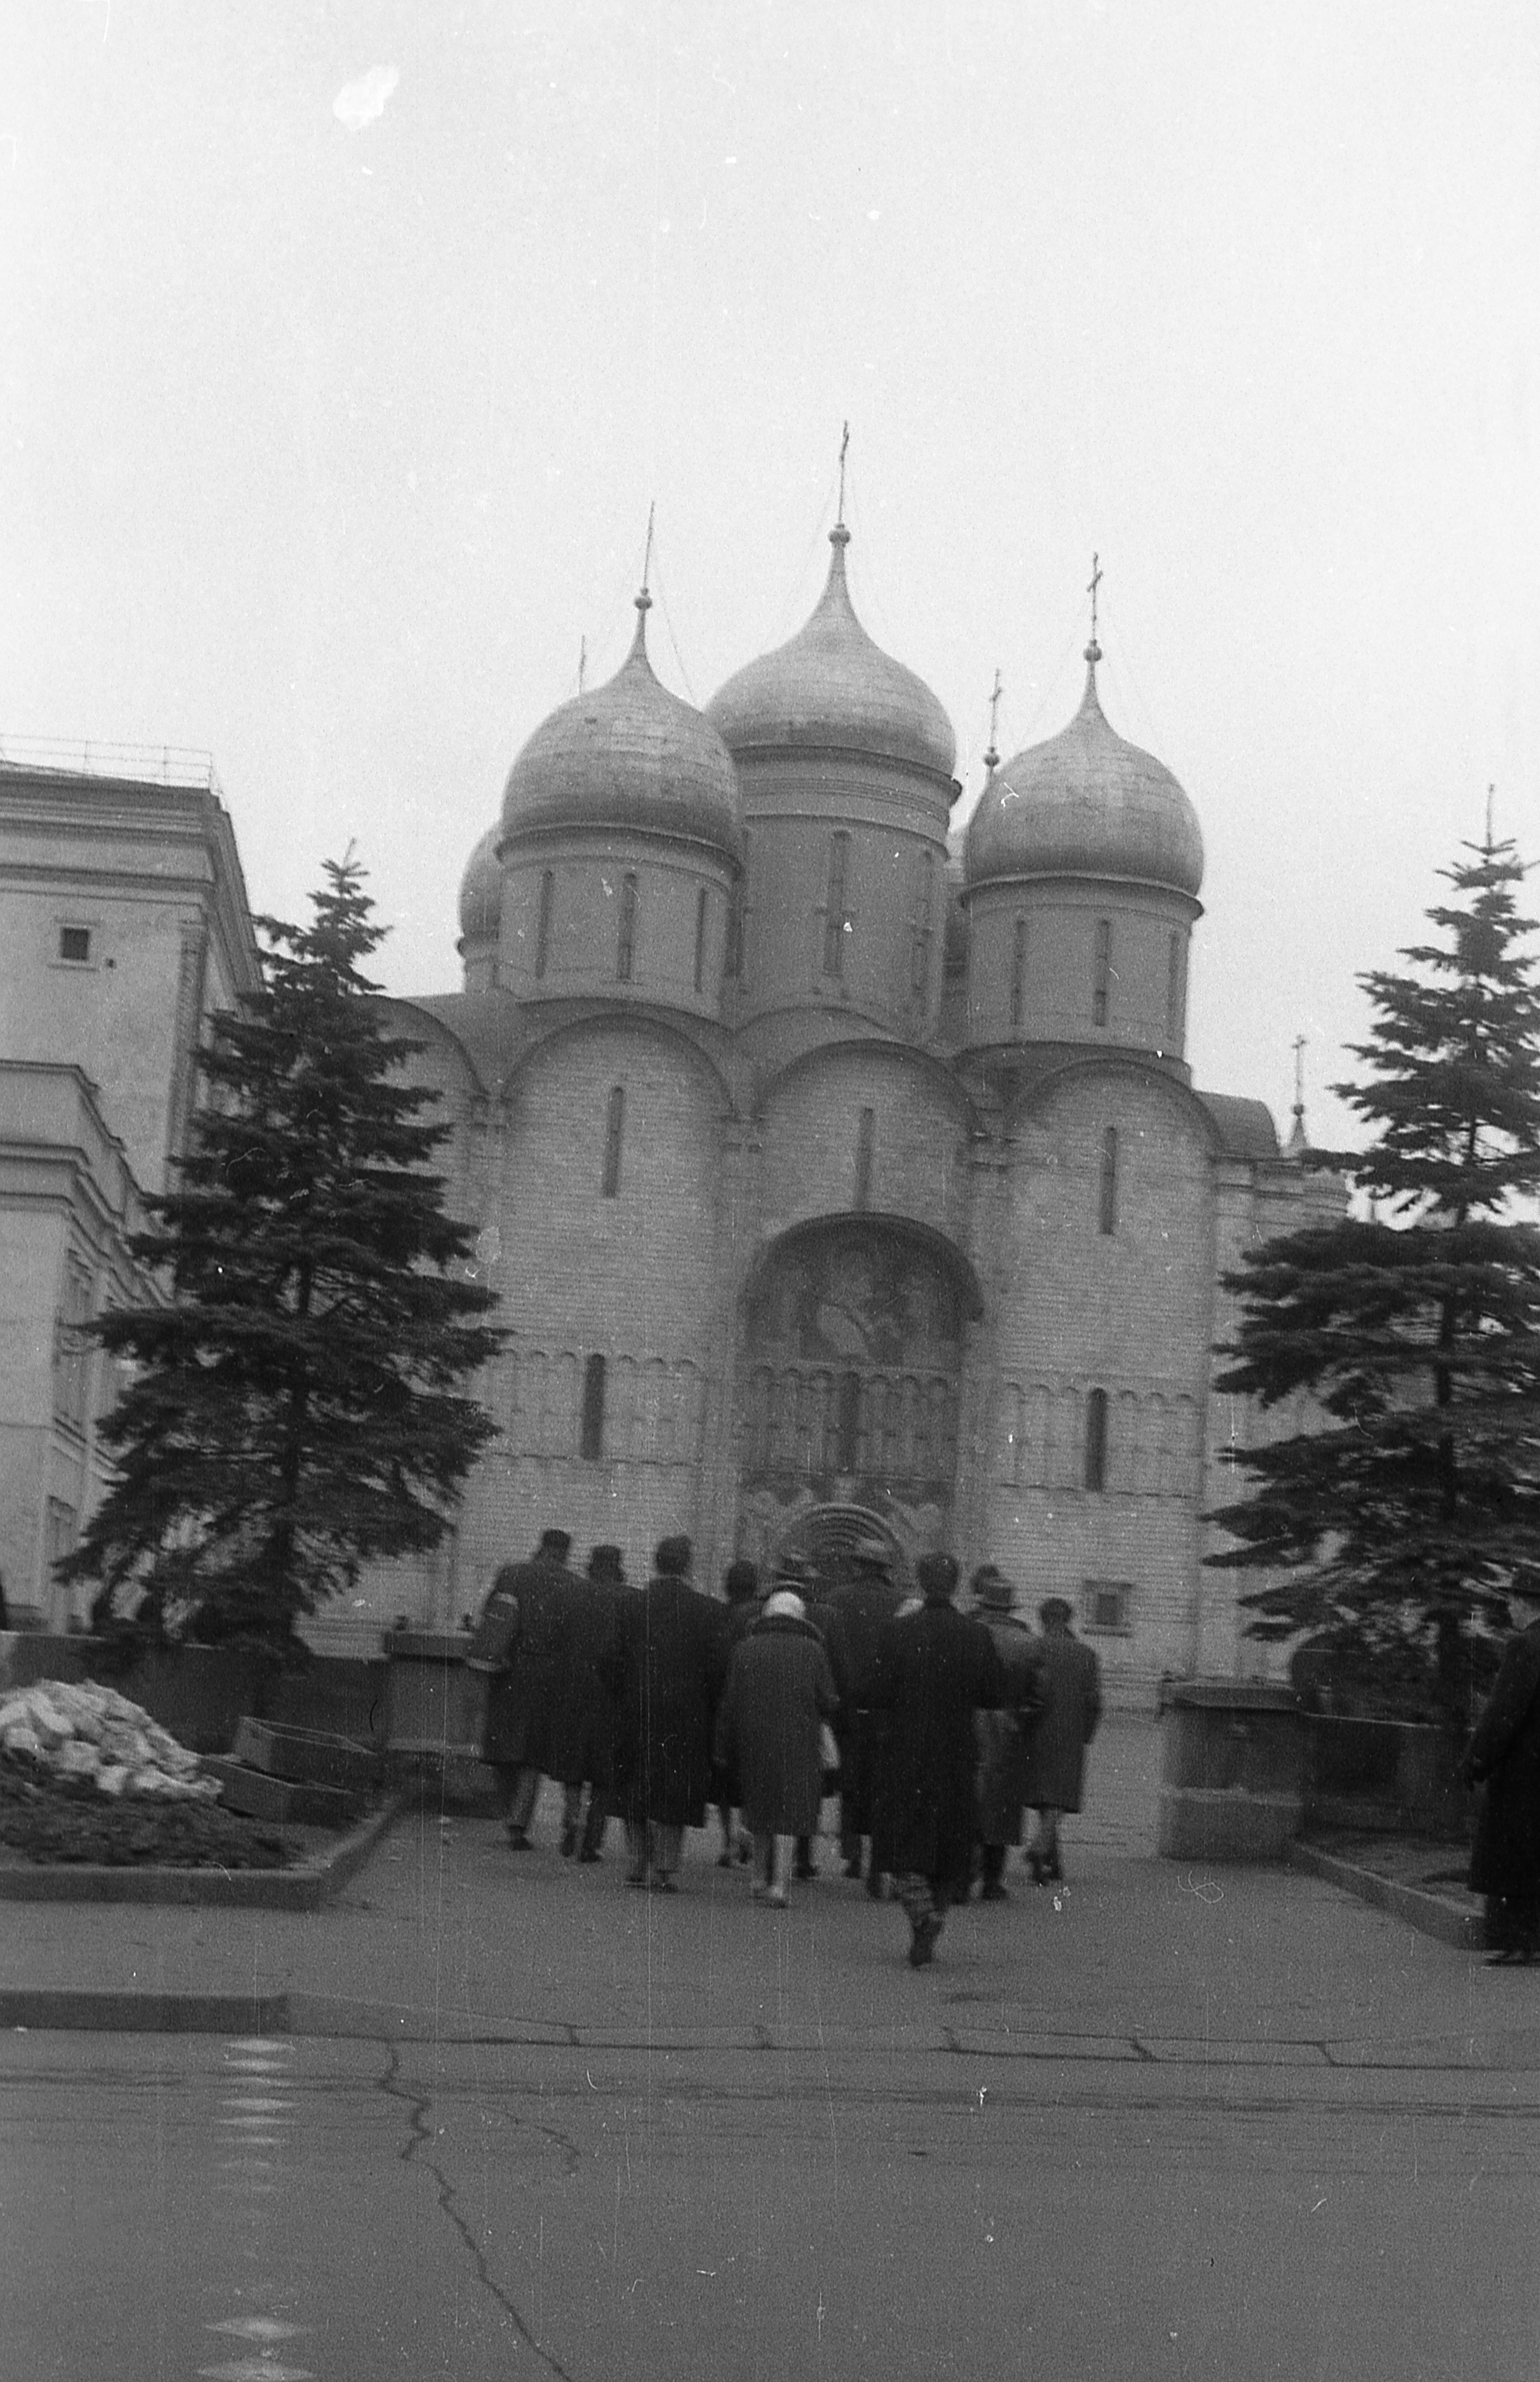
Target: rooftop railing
{"type": "Point", "coordinates": [150, 765]}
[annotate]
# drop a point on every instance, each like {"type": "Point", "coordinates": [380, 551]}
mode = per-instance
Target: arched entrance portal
{"type": "Point", "coordinates": [850, 1377]}
{"type": "Point", "coordinates": [826, 1536]}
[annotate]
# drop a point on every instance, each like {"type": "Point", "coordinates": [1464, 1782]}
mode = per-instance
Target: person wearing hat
{"type": "Point", "coordinates": [519, 1647]}
{"type": "Point", "coordinates": [1503, 1760]}
{"type": "Point", "coordinates": [1069, 1686]}
{"type": "Point", "coordinates": [934, 1669]}
{"type": "Point", "coordinates": [779, 1692]}
{"type": "Point", "coordinates": [853, 1620]}
{"type": "Point", "coordinates": [1001, 1737]}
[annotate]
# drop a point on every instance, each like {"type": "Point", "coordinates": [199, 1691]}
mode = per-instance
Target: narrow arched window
{"type": "Point", "coordinates": [833, 904]}
{"type": "Point", "coordinates": [1109, 1179]}
{"type": "Point", "coordinates": [591, 1445]}
{"type": "Point", "coordinates": [1095, 1439]}
{"type": "Point", "coordinates": [919, 947]}
{"type": "Point", "coordinates": [625, 939]}
{"type": "Point", "coordinates": [614, 1128]}
{"type": "Point", "coordinates": [543, 924]}
{"type": "Point", "coordinates": [866, 1134]}
{"type": "Point", "coordinates": [1101, 989]}
{"type": "Point", "coordinates": [1173, 989]}
{"type": "Point", "coordinates": [1018, 974]}
{"type": "Point", "coordinates": [732, 948]}
{"type": "Point", "coordinates": [700, 938]}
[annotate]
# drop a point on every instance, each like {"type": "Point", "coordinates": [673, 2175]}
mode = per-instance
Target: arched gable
{"type": "Point", "coordinates": [867, 1126]}
{"type": "Point", "coordinates": [644, 1024]}
{"type": "Point", "coordinates": [1037, 1094]}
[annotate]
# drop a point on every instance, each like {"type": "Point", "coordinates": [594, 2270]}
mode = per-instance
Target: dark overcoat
{"type": "Point", "coordinates": [1503, 1758]}
{"type": "Point", "coordinates": [734, 1623]}
{"type": "Point", "coordinates": [934, 1668]}
{"type": "Point", "coordinates": [594, 1666]}
{"type": "Point", "coordinates": [669, 1666]}
{"type": "Point", "coordinates": [490, 1652]}
{"type": "Point", "coordinates": [779, 1691]}
{"type": "Point", "coordinates": [1003, 1739]}
{"type": "Point", "coordinates": [852, 1621]}
{"type": "Point", "coordinates": [524, 1637]}
{"type": "Point", "coordinates": [1070, 1684]}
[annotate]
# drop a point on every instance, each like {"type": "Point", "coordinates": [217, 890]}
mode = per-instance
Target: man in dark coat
{"type": "Point", "coordinates": [520, 1646]}
{"type": "Point", "coordinates": [1002, 1737]}
{"type": "Point", "coordinates": [1069, 1686]}
{"type": "Point", "coordinates": [852, 1620]}
{"type": "Point", "coordinates": [669, 1666]}
{"type": "Point", "coordinates": [1504, 1758]}
{"type": "Point", "coordinates": [591, 1660]}
{"type": "Point", "coordinates": [934, 1668]}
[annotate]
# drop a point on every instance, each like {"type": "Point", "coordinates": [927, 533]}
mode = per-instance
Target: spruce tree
{"type": "Point", "coordinates": [295, 1403]}
{"type": "Point", "coordinates": [1406, 1511]}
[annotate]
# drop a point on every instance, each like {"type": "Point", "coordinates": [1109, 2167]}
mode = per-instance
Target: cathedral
{"type": "Point", "coordinates": [837, 1171]}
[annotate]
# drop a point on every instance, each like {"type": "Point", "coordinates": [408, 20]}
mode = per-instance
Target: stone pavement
{"type": "Point", "coordinates": [446, 1935]}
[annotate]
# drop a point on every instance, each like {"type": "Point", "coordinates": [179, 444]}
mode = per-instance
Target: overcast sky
{"type": "Point", "coordinates": [343, 349]}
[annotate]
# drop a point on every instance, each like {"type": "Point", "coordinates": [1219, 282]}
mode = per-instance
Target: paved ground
{"type": "Point", "coordinates": [1201, 2123]}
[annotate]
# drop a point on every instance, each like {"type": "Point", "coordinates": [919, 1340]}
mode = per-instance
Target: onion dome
{"type": "Point", "coordinates": [627, 755]}
{"type": "Point", "coordinates": [480, 892]}
{"type": "Point", "coordinates": [831, 686]}
{"type": "Point", "coordinates": [1086, 804]}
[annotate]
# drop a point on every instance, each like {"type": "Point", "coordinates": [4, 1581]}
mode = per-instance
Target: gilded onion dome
{"type": "Point", "coordinates": [831, 687]}
{"type": "Point", "coordinates": [480, 892]}
{"type": "Point", "coordinates": [1086, 804]}
{"type": "Point", "coordinates": [627, 756]}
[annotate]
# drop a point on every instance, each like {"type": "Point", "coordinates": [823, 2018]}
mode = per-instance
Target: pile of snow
{"type": "Point", "coordinates": [79, 1730]}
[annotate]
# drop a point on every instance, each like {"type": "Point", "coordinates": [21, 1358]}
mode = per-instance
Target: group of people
{"type": "Point", "coordinates": [940, 1727]}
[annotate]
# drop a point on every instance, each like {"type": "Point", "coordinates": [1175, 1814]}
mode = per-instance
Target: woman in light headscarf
{"type": "Point", "coordinates": [779, 1692]}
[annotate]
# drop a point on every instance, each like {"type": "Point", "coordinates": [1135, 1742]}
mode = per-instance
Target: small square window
{"type": "Point", "coordinates": [75, 945]}
{"type": "Point", "coordinates": [1106, 1607]}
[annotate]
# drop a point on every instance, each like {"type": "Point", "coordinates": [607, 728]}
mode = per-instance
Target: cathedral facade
{"type": "Point", "coordinates": [837, 1171]}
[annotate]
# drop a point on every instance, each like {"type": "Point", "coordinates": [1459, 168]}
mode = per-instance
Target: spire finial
{"type": "Point", "coordinates": [582, 663]}
{"type": "Point", "coordinates": [839, 536]}
{"type": "Point", "coordinates": [1093, 651]}
{"type": "Point", "coordinates": [992, 758]}
{"type": "Point", "coordinates": [1491, 793]}
{"type": "Point", "coordinates": [1299, 1140]}
{"type": "Point", "coordinates": [644, 599]}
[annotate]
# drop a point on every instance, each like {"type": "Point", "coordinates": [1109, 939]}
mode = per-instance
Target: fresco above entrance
{"type": "Point", "coordinates": [851, 1362]}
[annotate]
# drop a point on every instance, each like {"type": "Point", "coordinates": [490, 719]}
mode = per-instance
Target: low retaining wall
{"type": "Point", "coordinates": [200, 1693]}
{"type": "Point", "coordinates": [1384, 1777]}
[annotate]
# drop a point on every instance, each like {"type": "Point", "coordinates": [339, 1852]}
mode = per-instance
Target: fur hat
{"type": "Point", "coordinates": [556, 1542]}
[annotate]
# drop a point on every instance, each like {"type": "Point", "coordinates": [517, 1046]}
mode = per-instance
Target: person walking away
{"type": "Point", "coordinates": [934, 1668]}
{"type": "Point", "coordinates": [741, 1596]}
{"type": "Point", "coordinates": [593, 1653]}
{"type": "Point", "coordinates": [779, 1693]}
{"type": "Point", "coordinates": [1070, 1684]}
{"type": "Point", "coordinates": [670, 1662]}
{"type": "Point", "coordinates": [1001, 1737]}
{"type": "Point", "coordinates": [853, 1620]}
{"type": "Point", "coordinates": [518, 1645]}
{"type": "Point", "coordinates": [1503, 1760]}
